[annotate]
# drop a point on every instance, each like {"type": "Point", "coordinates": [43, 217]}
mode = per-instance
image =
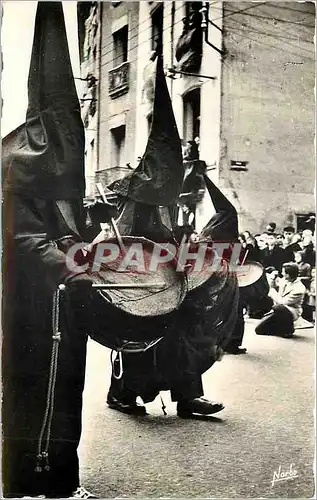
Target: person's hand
{"type": "Point", "coordinates": [271, 278]}
{"type": "Point", "coordinates": [79, 287]}
{"type": "Point", "coordinates": [100, 212]}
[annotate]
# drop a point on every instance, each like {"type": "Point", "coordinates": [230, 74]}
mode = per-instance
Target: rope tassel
{"type": "Point", "coordinates": [45, 434]}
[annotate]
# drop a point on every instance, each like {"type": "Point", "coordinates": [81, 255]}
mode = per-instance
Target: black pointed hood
{"type": "Point", "coordinates": [223, 226]}
{"type": "Point", "coordinates": [158, 178]}
{"type": "Point", "coordinates": [44, 158]}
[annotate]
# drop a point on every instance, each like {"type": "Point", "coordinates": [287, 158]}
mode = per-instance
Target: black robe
{"type": "Point", "coordinates": [33, 268]}
{"type": "Point", "coordinates": [43, 178]}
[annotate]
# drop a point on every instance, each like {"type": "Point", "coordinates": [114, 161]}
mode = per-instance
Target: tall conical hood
{"type": "Point", "coordinates": [47, 156]}
{"type": "Point", "coordinates": [158, 178]}
{"type": "Point", "coordinates": [223, 226]}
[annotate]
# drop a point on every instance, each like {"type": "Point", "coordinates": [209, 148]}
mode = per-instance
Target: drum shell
{"type": "Point", "coordinates": [120, 316]}
{"type": "Point", "coordinates": [113, 327]}
{"type": "Point", "coordinates": [253, 293]}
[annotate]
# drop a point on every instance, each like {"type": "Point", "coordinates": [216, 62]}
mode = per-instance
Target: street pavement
{"type": "Point", "coordinates": [265, 432]}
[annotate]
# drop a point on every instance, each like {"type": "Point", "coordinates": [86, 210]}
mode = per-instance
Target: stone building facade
{"type": "Point", "coordinates": [241, 79]}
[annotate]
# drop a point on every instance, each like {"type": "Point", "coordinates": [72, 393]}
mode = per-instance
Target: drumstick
{"type": "Point", "coordinates": [116, 286]}
{"type": "Point", "coordinates": [113, 223]}
{"type": "Point", "coordinates": [244, 258]}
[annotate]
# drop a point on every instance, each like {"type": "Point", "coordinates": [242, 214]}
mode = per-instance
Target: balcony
{"type": "Point", "coordinates": [119, 80]}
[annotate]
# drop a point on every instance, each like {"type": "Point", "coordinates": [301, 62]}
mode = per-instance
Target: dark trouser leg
{"type": "Point", "coordinates": [280, 322]}
{"type": "Point", "coordinates": [238, 332]}
{"type": "Point", "coordinates": [258, 308]}
{"type": "Point", "coordinates": [119, 387]}
{"type": "Point", "coordinates": [139, 378]}
{"type": "Point", "coordinates": [307, 310]}
{"type": "Point", "coordinates": [187, 389]}
{"type": "Point", "coordinates": [24, 395]}
{"type": "Point", "coordinates": [308, 313]}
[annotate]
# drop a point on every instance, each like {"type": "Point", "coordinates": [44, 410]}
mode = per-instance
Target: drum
{"type": "Point", "coordinates": [142, 300]}
{"type": "Point", "coordinates": [211, 269]}
{"type": "Point", "coordinates": [249, 274]}
{"type": "Point", "coordinates": [254, 287]}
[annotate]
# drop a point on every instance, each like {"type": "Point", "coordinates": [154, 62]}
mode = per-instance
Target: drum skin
{"type": "Point", "coordinates": [249, 274]}
{"type": "Point", "coordinates": [259, 288]}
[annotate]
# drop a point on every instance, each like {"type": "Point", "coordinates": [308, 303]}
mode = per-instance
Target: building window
{"type": "Point", "coordinates": [189, 47]}
{"type": "Point", "coordinates": [157, 28]}
{"type": "Point", "coordinates": [118, 146]}
{"type": "Point", "coordinates": [191, 103]}
{"type": "Point", "coordinates": [83, 13]}
{"type": "Point", "coordinates": [120, 46]}
{"type": "Point", "coordinates": [191, 8]}
{"type": "Point", "coordinates": [306, 221]}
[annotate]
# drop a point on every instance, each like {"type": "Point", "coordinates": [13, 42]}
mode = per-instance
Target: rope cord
{"type": "Point", "coordinates": [42, 454]}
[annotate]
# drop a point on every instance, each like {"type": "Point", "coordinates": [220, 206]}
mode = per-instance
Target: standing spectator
{"type": "Point", "coordinates": [280, 240]}
{"type": "Point", "coordinates": [290, 243]}
{"type": "Point", "coordinates": [272, 255]}
{"type": "Point", "coordinates": [270, 228]}
{"type": "Point", "coordinates": [307, 244]}
{"type": "Point", "coordinates": [261, 241]}
{"type": "Point", "coordinates": [304, 274]}
{"type": "Point", "coordinates": [312, 294]}
{"type": "Point", "coordinates": [304, 268]}
{"type": "Point", "coordinates": [252, 246]}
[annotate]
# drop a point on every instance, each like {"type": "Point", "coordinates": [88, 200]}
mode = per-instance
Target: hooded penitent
{"type": "Point", "coordinates": [206, 317]}
{"type": "Point", "coordinates": [223, 226]}
{"type": "Point", "coordinates": [44, 183]}
{"type": "Point", "coordinates": [44, 158]}
{"type": "Point", "coordinates": [158, 178]}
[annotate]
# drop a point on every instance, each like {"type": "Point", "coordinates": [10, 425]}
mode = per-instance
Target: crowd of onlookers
{"type": "Point", "coordinates": [273, 249]}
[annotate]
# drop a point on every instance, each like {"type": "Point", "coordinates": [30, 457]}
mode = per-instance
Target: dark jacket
{"type": "Point", "coordinates": [289, 252]}
{"type": "Point", "coordinates": [273, 258]}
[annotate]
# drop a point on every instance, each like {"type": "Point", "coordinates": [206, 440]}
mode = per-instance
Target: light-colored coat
{"type": "Point", "coordinates": [291, 295]}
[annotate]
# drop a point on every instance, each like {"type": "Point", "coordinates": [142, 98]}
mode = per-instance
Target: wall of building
{"type": "Point", "coordinates": [120, 110]}
{"type": "Point", "coordinates": [89, 39]}
{"type": "Point", "coordinates": [268, 111]}
{"type": "Point", "coordinates": [258, 109]}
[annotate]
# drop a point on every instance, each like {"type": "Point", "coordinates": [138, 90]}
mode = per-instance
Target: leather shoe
{"type": "Point", "coordinates": [131, 407]}
{"type": "Point", "coordinates": [235, 350]}
{"type": "Point", "coordinates": [288, 335]}
{"type": "Point", "coordinates": [200, 406]}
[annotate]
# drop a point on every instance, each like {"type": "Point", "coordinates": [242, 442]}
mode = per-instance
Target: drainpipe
{"type": "Point", "coordinates": [204, 25]}
{"type": "Point", "coordinates": [100, 5]}
{"type": "Point", "coordinates": [172, 41]}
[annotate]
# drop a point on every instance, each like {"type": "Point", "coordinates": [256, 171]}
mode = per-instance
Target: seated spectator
{"type": "Point", "coordinates": [288, 300]}
{"type": "Point", "coordinates": [272, 255]}
{"type": "Point", "coordinates": [290, 243]}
